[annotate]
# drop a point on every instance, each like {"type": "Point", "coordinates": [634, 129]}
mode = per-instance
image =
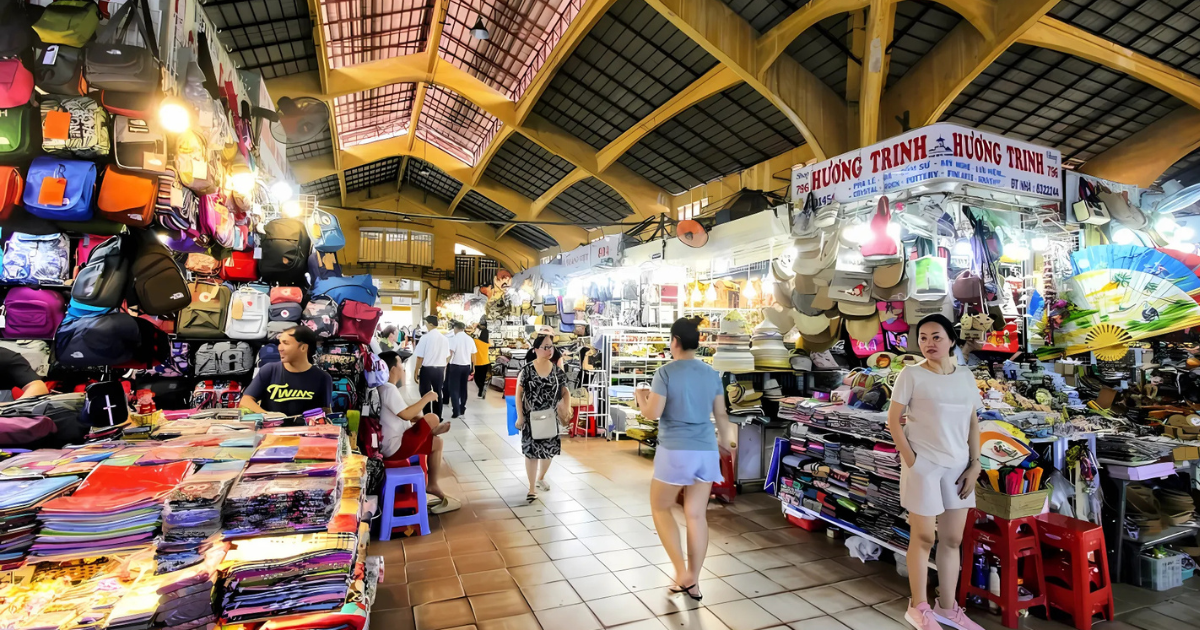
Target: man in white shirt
{"type": "Point", "coordinates": [407, 432]}
{"type": "Point", "coordinates": [462, 352]}
{"type": "Point", "coordinates": [433, 352]}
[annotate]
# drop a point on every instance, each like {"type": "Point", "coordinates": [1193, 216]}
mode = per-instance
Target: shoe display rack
{"type": "Point", "coordinates": [629, 357]}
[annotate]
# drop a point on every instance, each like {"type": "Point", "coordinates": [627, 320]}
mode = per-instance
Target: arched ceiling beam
{"type": "Point", "coordinates": [572, 178]}
{"type": "Point", "coordinates": [730, 38]}
{"type": "Point", "coordinates": [1144, 156]}
{"type": "Point", "coordinates": [1065, 38]}
{"type": "Point", "coordinates": [881, 24]}
{"type": "Point", "coordinates": [774, 42]}
{"type": "Point", "coordinates": [936, 80]}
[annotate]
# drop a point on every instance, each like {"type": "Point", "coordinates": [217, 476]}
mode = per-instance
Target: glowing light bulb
{"type": "Point", "coordinates": [893, 230]}
{"type": "Point", "coordinates": [163, 238]}
{"type": "Point", "coordinates": [1165, 225]}
{"type": "Point", "coordinates": [291, 208]}
{"type": "Point", "coordinates": [1184, 234]}
{"type": "Point", "coordinates": [242, 182]}
{"type": "Point", "coordinates": [962, 248]}
{"type": "Point", "coordinates": [858, 233]}
{"type": "Point", "coordinates": [710, 294]}
{"type": "Point", "coordinates": [1039, 243]}
{"type": "Point", "coordinates": [174, 115]}
{"type": "Point", "coordinates": [1015, 250]}
{"type": "Point", "coordinates": [749, 292]}
{"type": "Point", "coordinates": [282, 191]}
{"type": "Point", "coordinates": [1124, 236]}
{"type": "Point", "coordinates": [697, 297]}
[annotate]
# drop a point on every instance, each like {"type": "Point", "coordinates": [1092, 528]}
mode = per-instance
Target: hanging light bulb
{"type": "Point", "coordinates": [1124, 236]}
{"type": "Point", "coordinates": [1016, 250]}
{"type": "Point", "coordinates": [174, 115]}
{"type": "Point", "coordinates": [748, 291]}
{"type": "Point", "coordinates": [163, 238]}
{"type": "Point", "coordinates": [1039, 243]}
{"type": "Point", "coordinates": [242, 180]}
{"type": "Point", "coordinates": [697, 297]}
{"type": "Point", "coordinates": [710, 294]}
{"type": "Point", "coordinates": [479, 31]}
{"type": "Point", "coordinates": [291, 208]}
{"type": "Point", "coordinates": [282, 191]}
{"type": "Point", "coordinates": [962, 247]}
{"type": "Point", "coordinates": [858, 233]}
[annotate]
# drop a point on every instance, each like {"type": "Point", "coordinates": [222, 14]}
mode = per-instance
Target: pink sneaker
{"type": "Point", "coordinates": [921, 617]}
{"type": "Point", "coordinates": [955, 617]}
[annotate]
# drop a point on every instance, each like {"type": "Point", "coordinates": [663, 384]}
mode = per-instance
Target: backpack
{"type": "Point", "coordinates": [83, 249]}
{"type": "Point", "coordinates": [202, 264]}
{"type": "Point", "coordinates": [157, 285]}
{"type": "Point", "coordinates": [114, 65]}
{"type": "Point", "coordinates": [280, 295]}
{"type": "Point", "coordinates": [344, 397]}
{"type": "Point", "coordinates": [370, 437]}
{"type": "Point", "coordinates": [35, 352]}
{"type": "Point", "coordinates": [104, 279]}
{"type": "Point", "coordinates": [286, 312]}
{"type": "Point", "coordinates": [20, 134]}
{"type": "Point", "coordinates": [140, 105]}
{"type": "Point", "coordinates": [26, 432]}
{"type": "Point", "coordinates": [127, 196]}
{"type": "Point", "coordinates": [205, 316]}
{"type": "Point", "coordinates": [338, 363]}
{"type": "Point", "coordinates": [195, 165]}
{"type": "Point", "coordinates": [176, 207]}
{"type": "Point", "coordinates": [32, 259]}
{"type": "Point", "coordinates": [322, 266]}
{"type": "Point", "coordinates": [48, 196]}
{"type": "Point", "coordinates": [16, 83]}
{"type": "Point", "coordinates": [16, 34]}
{"type": "Point", "coordinates": [105, 404]}
{"type": "Point", "coordinates": [69, 22]}
{"type": "Point", "coordinates": [376, 370]}
{"type": "Point", "coordinates": [11, 188]}
{"type": "Point", "coordinates": [58, 69]}
{"type": "Point", "coordinates": [224, 357]}
{"type": "Point", "coordinates": [109, 339]}
{"type": "Point", "coordinates": [75, 126]}
{"type": "Point", "coordinates": [274, 329]}
{"type": "Point", "coordinates": [248, 315]}
{"type": "Point", "coordinates": [285, 249]}
{"type": "Point", "coordinates": [326, 232]}
{"type": "Point", "coordinates": [140, 144]}
{"type": "Point", "coordinates": [358, 288]}
{"type": "Point", "coordinates": [321, 316]}
{"type": "Point", "coordinates": [62, 409]}
{"type": "Point", "coordinates": [357, 321]}
{"type": "Point", "coordinates": [267, 354]}
{"type": "Point", "coordinates": [215, 221]}
{"type": "Point", "coordinates": [179, 362]}
{"type": "Point", "coordinates": [33, 313]}
{"type": "Point", "coordinates": [240, 267]}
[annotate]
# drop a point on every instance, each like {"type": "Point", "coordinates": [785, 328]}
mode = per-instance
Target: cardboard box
{"type": "Point", "coordinates": [1009, 506]}
{"type": "Point", "coordinates": [1186, 453]}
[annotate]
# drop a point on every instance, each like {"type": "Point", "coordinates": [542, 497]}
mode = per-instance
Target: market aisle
{"type": "Point", "coordinates": [586, 556]}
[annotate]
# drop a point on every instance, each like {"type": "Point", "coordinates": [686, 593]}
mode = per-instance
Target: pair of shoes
{"type": "Point", "coordinates": [455, 415]}
{"type": "Point", "coordinates": [543, 485]}
{"type": "Point", "coordinates": [954, 617]}
{"type": "Point", "coordinates": [686, 590]}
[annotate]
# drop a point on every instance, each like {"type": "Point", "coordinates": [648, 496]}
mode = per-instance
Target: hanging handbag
{"type": "Point", "coordinates": [60, 190]}
{"type": "Point", "coordinates": [543, 424]}
{"type": "Point", "coordinates": [1120, 209]}
{"type": "Point", "coordinates": [69, 22]}
{"type": "Point", "coordinates": [75, 127]}
{"type": "Point", "coordinates": [20, 134]}
{"type": "Point", "coordinates": [16, 83]}
{"type": "Point", "coordinates": [1089, 209]}
{"type": "Point", "coordinates": [967, 287]}
{"type": "Point", "coordinates": [140, 144]}
{"type": "Point", "coordinates": [127, 196]}
{"type": "Point", "coordinates": [11, 187]}
{"type": "Point", "coordinates": [111, 64]}
{"type": "Point", "coordinates": [59, 70]}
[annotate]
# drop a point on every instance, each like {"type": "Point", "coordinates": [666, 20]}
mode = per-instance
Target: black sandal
{"type": "Point", "coordinates": [687, 590]}
{"type": "Point", "coordinates": [530, 497]}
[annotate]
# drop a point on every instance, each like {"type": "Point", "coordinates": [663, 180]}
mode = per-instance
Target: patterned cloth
{"type": "Point", "coordinates": [539, 393]}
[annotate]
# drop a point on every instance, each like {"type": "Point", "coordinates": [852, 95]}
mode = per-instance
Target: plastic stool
{"type": "Point", "coordinates": [1088, 587]}
{"type": "Point", "coordinates": [1011, 541]}
{"type": "Point", "coordinates": [414, 499]}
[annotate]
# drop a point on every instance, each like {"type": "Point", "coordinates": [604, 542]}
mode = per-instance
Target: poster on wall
{"type": "Point", "coordinates": [941, 152]}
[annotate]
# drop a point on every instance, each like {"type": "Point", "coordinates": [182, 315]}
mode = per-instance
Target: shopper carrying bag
{"type": "Point", "coordinates": [939, 452]}
{"type": "Point", "coordinates": [543, 403]}
{"type": "Point", "coordinates": [684, 397]}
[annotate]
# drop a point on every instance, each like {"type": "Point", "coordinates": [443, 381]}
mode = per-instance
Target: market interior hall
{"type": "Point", "coordinates": [599, 314]}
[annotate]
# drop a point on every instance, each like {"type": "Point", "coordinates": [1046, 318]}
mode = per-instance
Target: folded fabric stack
{"type": "Point", "coordinates": [768, 349]}
{"type": "Point", "coordinates": [19, 505]}
{"type": "Point", "coordinates": [285, 575]}
{"type": "Point", "coordinates": [117, 509]}
{"type": "Point", "coordinates": [273, 499]}
{"type": "Point", "coordinates": [193, 514]}
{"type": "Point", "coordinates": [858, 486]}
{"type": "Point", "coordinates": [733, 348]}
{"type": "Point", "coordinates": [318, 443]}
{"type": "Point", "coordinates": [887, 461]}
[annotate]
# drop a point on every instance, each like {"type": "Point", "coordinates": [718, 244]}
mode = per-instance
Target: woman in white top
{"type": "Point", "coordinates": [939, 452]}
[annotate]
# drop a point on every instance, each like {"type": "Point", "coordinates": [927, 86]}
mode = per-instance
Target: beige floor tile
{"type": "Point", "coordinates": [735, 544]}
{"type": "Point", "coordinates": [716, 591]}
{"type": "Point", "coordinates": [869, 619]}
{"type": "Point", "coordinates": [763, 559]}
{"type": "Point", "coordinates": [818, 623]}
{"type": "Point", "coordinates": [426, 552]}
{"type": "Point", "coordinates": [643, 578]}
{"type": "Point", "coordinates": [829, 599]}
{"type": "Point", "coordinates": [498, 605]}
{"type": "Point", "coordinates": [552, 534]}
{"type": "Point", "coordinates": [565, 549]}
{"type": "Point", "coordinates": [658, 555]}
{"type": "Point", "coordinates": [661, 601]}
{"type": "Point", "coordinates": [443, 615]}
{"type": "Point", "coordinates": [753, 584]}
{"type": "Point", "coordinates": [551, 595]}
{"type": "Point", "coordinates": [477, 562]}
{"type": "Point", "coordinates": [624, 525]}
{"type": "Point", "coordinates": [506, 525]}
{"type": "Point", "coordinates": [526, 621]}
{"type": "Point", "coordinates": [722, 566]}
{"type": "Point", "coordinates": [429, 569]}
{"type": "Point", "coordinates": [576, 617]}
{"type": "Point", "coordinates": [772, 538]}
{"type": "Point", "coordinates": [597, 586]}
{"type": "Point", "coordinates": [576, 518]}
{"type": "Point", "coordinates": [506, 540]}
{"type": "Point", "coordinates": [467, 546]}
{"type": "Point", "coordinates": [531, 574]}
{"type": "Point", "coordinates": [435, 590]}
{"type": "Point", "coordinates": [698, 619]}
{"type": "Point", "coordinates": [832, 570]}
{"type": "Point", "coordinates": [391, 596]}
{"type": "Point", "coordinates": [601, 544]}
{"type": "Point", "coordinates": [866, 590]}
{"type": "Point", "coordinates": [641, 539]}
{"type": "Point", "coordinates": [538, 522]}
{"type": "Point", "coordinates": [622, 560]}
{"type": "Point", "coordinates": [744, 614]}
{"type": "Point", "coordinates": [565, 507]}
{"type": "Point", "coordinates": [590, 529]}
{"type": "Point", "coordinates": [395, 619]}
{"type": "Point", "coordinates": [487, 582]}
{"type": "Point", "coordinates": [527, 511]}
{"type": "Point", "coordinates": [517, 556]}
{"type": "Point", "coordinates": [581, 566]}
{"type": "Point", "coordinates": [495, 514]}
{"type": "Point", "coordinates": [608, 513]}
{"type": "Point", "coordinates": [619, 609]}
{"type": "Point", "coordinates": [788, 607]}
{"type": "Point", "coordinates": [645, 624]}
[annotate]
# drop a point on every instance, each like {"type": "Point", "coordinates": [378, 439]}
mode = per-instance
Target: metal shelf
{"type": "Point", "coordinates": [1166, 535]}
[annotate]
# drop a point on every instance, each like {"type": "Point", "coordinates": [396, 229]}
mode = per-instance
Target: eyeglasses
{"type": "Point", "coordinates": [546, 348]}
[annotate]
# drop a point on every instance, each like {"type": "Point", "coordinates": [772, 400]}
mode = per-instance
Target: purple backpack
{"type": "Point", "coordinates": [33, 313]}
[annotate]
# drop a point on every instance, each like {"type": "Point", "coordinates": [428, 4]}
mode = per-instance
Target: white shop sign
{"type": "Point", "coordinates": [938, 153]}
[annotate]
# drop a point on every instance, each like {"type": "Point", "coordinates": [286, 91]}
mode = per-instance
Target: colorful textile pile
{"type": "Point", "coordinates": [19, 505]}
{"type": "Point", "coordinates": [281, 498]}
{"type": "Point", "coordinates": [193, 514]}
{"type": "Point", "coordinates": [285, 575]}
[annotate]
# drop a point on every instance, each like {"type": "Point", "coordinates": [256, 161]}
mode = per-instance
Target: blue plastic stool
{"type": "Point", "coordinates": [393, 479]}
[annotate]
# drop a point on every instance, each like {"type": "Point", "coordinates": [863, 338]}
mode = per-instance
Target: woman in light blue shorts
{"type": "Point", "coordinates": [684, 397]}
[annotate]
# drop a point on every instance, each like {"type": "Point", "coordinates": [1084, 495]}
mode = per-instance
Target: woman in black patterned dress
{"type": "Point", "coordinates": [541, 385]}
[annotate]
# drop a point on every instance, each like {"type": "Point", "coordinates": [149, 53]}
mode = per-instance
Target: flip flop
{"type": "Point", "coordinates": [447, 504]}
{"type": "Point", "coordinates": [531, 497]}
{"type": "Point", "coordinates": [675, 589]}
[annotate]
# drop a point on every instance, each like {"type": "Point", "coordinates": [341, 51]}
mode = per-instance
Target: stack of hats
{"type": "Point", "coordinates": [768, 349]}
{"type": "Point", "coordinates": [733, 347]}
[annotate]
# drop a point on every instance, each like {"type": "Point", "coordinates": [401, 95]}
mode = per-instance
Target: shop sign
{"type": "Point", "coordinates": [941, 152]}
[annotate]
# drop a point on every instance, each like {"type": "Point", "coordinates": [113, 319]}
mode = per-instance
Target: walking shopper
{"type": "Point", "coordinates": [433, 351]}
{"type": "Point", "coordinates": [939, 452]}
{"type": "Point", "coordinates": [462, 351]}
{"type": "Point", "coordinates": [684, 397]}
{"type": "Point", "coordinates": [483, 361]}
{"type": "Point", "coordinates": [543, 402]}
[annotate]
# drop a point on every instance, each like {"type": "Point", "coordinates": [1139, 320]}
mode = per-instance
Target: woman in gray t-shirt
{"type": "Point", "coordinates": [684, 397]}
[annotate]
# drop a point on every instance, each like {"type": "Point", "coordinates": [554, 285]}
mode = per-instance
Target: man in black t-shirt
{"type": "Point", "coordinates": [15, 372]}
{"type": "Point", "coordinates": [294, 385]}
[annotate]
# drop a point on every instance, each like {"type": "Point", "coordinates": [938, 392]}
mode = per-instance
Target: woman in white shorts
{"type": "Point", "coordinates": [939, 452]}
{"type": "Point", "coordinates": [684, 397]}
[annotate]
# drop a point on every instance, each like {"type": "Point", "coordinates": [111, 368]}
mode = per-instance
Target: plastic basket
{"type": "Point", "coordinates": [1160, 574]}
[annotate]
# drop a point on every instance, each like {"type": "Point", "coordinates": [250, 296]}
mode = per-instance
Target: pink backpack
{"type": "Point", "coordinates": [215, 220]}
{"type": "Point", "coordinates": [33, 313]}
{"type": "Point", "coordinates": [358, 321]}
{"type": "Point", "coordinates": [84, 249]}
{"type": "Point", "coordinates": [16, 83]}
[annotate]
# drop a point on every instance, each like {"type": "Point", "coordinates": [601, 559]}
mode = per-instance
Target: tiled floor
{"type": "Point", "coordinates": [585, 556]}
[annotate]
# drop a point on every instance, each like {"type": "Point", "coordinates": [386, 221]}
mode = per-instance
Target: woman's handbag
{"type": "Point", "coordinates": [543, 424]}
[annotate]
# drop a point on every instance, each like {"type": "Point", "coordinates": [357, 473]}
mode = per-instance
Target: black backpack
{"type": "Point", "coordinates": [105, 405]}
{"type": "Point", "coordinates": [108, 339]}
{"type": "Point", "coordinates": [58, 69]}
{"type": "Point", "coordinates": [104, 279]}
{"type": "Point", "coordinates": [285, 250]}
{"type": "Point", "coordinates": [157, 286]}
{"type": "Point", "coordinates": [16, 28]}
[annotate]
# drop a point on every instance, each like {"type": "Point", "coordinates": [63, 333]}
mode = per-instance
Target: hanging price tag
{"type": "Point", "coordinates": [199, 169]}
{"type": "Point", "coordinates": [257, 253]}
{"type": "Point", "coordinates": [52, 192]}
{"type": "Point", "coordinates": [57, 125]}
{"type": "Point", "coordinates": [51, 55]}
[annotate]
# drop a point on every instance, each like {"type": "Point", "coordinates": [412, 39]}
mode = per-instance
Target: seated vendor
{"type": "Point", "coordinates": [294, 385]}
{"type": "Point", "coordinates": [16, 372]}
{"type": "Point", "coordinates": [407, 431]}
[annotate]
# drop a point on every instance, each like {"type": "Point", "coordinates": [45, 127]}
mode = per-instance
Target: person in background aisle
{"type": "Point", "coordinates": [294, 385]}
{"type": "Point", "coordinates": [462, 349]}
{"type": "Point", "coordinates": [541, 386]}
{"type": "Point", "coordinates": [408, 431]}
{"type": "Point", "coordinates": [433, 352]}
{"type": "Point", "coordinates": [684, 397]}
{"type": "Point", "coordinates": [483, 361]}
{"type": "Point", "coordinates": [939, 453]}
{"type": "Point", "coordinates": [16, 372]}
{"type": "Point", "coordinates": [389, 339]}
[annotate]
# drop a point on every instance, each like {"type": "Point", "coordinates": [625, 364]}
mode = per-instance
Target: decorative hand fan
{"type": "Point", "coordinates": [1134, 292]}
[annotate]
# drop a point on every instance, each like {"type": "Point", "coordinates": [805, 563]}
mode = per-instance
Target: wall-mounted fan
{"type": "Point", "coordinates": [691, 233]}
{"type": "Point", "coordinates": [301, 120]}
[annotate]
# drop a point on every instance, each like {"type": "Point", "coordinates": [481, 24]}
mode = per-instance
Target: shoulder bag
{"type": "Point", "coordinates": [112, 64]}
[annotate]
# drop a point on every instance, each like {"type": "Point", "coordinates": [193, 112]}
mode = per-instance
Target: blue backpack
{"type": "Point", "coordinates": [267, 354]}
{"type": "Point", "coordinates": [37, 259]}
{"type": "Point", "coordinates": [76, 204]}
{"type": "Point", "coordinates": [344, 397]}
{"type": "Point", "coordinates": [331, 238]}
{"type": "Point", "coordinates": [357, 288]}
{"type": "Point", "coordinates": [319, 267]}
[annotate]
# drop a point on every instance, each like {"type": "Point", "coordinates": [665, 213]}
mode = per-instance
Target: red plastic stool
{"type": "Point", "coordinates": [726, 491]}
{"type": "Point", "coordinates": [1011, 541]}
{"type": "Point", "coordinates": [1068, 542]}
